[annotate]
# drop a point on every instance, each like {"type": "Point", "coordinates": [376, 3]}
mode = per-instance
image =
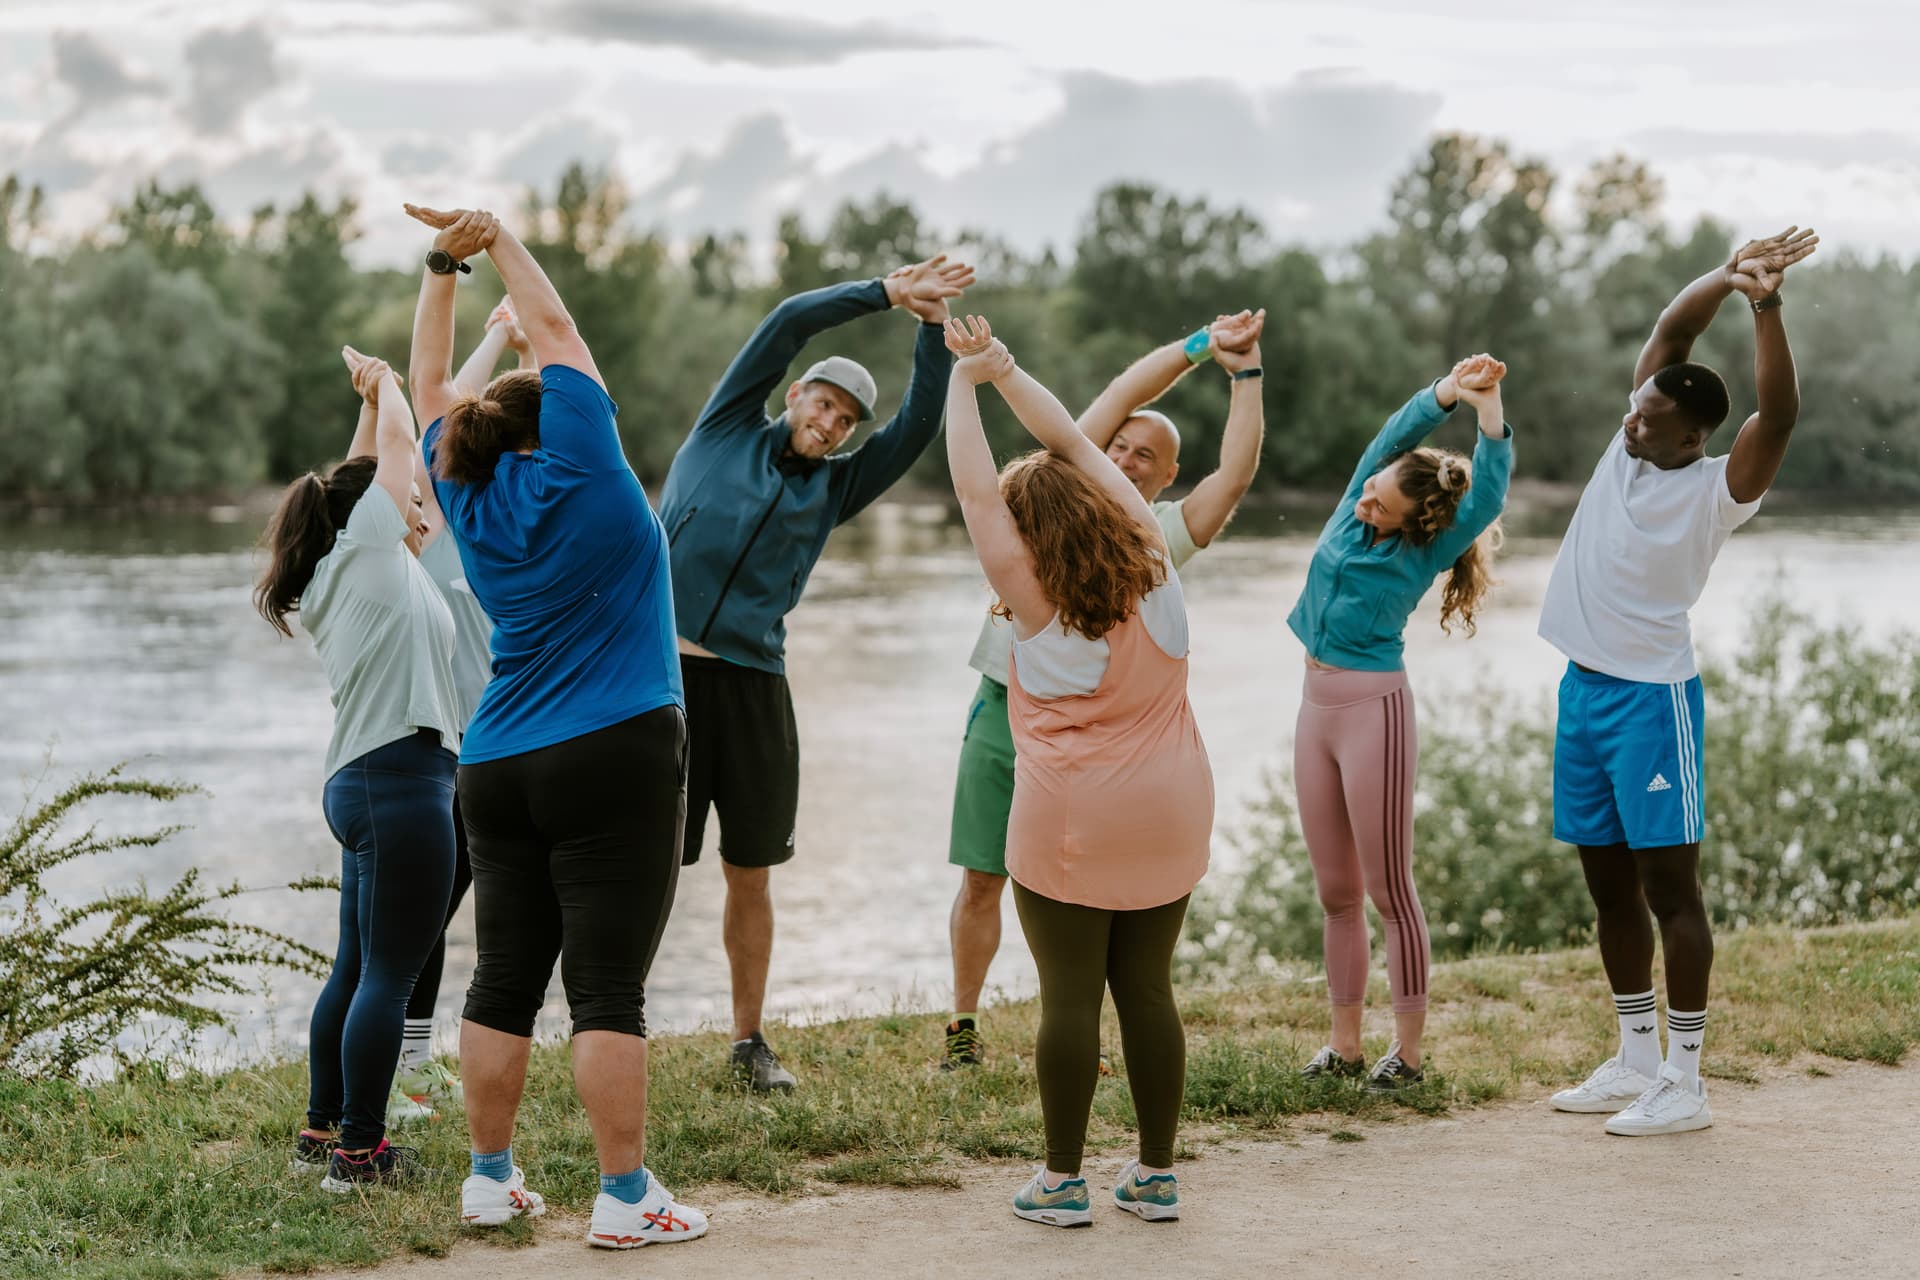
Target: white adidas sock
{"type": "Point", "coordinates": [416, 1044]}
{"type": "Point", "coordinates": [1685, 1033]}
{"type": "Point", "coordinates": [1639, 1032]}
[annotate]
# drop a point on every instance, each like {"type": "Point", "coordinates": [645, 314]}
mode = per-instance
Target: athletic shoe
{"type": "Point", "coordinates": [432, 1083]}
{"type": "Point", "coordinates": [657, 1219]}
{"type": "Point", "coordinates": [759, 1066]}
{"type": "Point", "coordinates": [488, 1202]}
{"type": "Point", "coordinates": [964, 1046]}
{"type": "Point", "coordinates": [1612, 1086]}
{"type": "Point", "coordinates": [385, 1165]}
{"type": "Point", "coordinates": [312, 1151]}
{"type": "Point", "coordinates": [1066, 1205]}
{"type": "Point", "coordinates": [1328, 1063]}
{"type": "Point", "coordinates": [402, 1109]}
{"type": "Point", "coordinates": [1392, 1073]}
{"type": "Point", "coordinates": [1155, 1199]}
{"type": "Point", "coordinates": [1673, 1105]}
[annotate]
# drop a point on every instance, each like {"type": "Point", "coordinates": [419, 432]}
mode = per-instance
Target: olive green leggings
{"type": "Point", "coordinates": [1080, 952]}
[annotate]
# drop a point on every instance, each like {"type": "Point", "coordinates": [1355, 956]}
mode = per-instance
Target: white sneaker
{"type": "Point", "coordinates": [488, 1202]}
{"type": "Point", "coordinates": [1673, 1105]}
{"type": "Point", "coordinates": [1612, 1085]}
{"type": "Point", "coordinates": [657, 1219]}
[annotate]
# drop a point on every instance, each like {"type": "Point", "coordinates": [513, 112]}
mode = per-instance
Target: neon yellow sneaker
{"type": "Point", "coordinates": [433, 1083]}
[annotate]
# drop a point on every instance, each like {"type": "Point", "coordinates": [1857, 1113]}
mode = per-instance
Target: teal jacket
{"type": "Point", "coordinates": [746, 523]}
{"type": "Point", "coordinates": [1355, 606]}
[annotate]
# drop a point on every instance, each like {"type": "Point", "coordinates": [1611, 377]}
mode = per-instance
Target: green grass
{"type": "Point", "coordinates": [170, 1173]}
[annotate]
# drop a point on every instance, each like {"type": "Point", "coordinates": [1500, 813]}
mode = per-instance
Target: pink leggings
{"type": "Point", "coordinates": [1353, 760]}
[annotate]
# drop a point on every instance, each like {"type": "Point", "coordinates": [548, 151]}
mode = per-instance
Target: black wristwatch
{"type": "Point", "coordinates": [442, 263]}
{"type": "Point", "coordinates": [1242, 375]}
{"type": "Point", "coordinates": [1769, 302]}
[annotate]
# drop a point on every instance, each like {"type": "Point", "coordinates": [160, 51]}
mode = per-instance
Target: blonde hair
{"type": "Point", "coordinates": [1436, 481]}
{"type": "Point", "coordinates": [1092, 558]}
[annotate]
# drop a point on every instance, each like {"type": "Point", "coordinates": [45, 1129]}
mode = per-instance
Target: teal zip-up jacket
{"type": "Point", "coordinates": [746, 524]}
{"type": "Point", "coordinates": [1354, 609]}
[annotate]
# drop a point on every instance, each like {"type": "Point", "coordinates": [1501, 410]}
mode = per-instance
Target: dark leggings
{"type": "Point", "coordinates": [1080, 952]}
{"type": "Point", "coordinates": [427, 990]}
{"type": "Point", "coordinates": [576, 853]}
{"type": "Point", "coordinates": [392, 812]}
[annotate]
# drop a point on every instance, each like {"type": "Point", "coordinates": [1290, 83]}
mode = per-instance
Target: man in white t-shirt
{"type": "Point", "coordinates": [1628, 777]}
{"type": "Point", "coordinates": [1145, 445]}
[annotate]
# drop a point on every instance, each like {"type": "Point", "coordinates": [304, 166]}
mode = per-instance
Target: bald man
{"type": "Point", "coordinates": [1145, 445]}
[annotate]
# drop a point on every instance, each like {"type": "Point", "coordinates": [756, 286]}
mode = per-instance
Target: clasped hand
{"type": "Point", "coordinates": [980, 357]}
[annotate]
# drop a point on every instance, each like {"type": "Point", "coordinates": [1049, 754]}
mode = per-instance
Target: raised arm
{"type": "Point", "coordinates": [1693, 310]}
{"type": "Point", "coordinates": [1236, 346]}
{"type": "Point", "coordinates": [478, 370]}
{"type": "Point", "coordinates": [1413, 422]}
{"type": "Point", "coordinates": [430, 364]}
{"type": "Point", "coordinates": [395, 448]}
{"type": "Point", "coordinates": [976, 482]}
{"type": "Point", "coordinates": [1761, 446]}
{"type": "Point", "coordinates": [863, 475]}
{"type": "Point", "coordinates": [1477, 382]}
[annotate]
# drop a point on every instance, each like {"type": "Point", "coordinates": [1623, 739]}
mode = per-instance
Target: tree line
{"type": "Point", "coordinates": [167, 353]}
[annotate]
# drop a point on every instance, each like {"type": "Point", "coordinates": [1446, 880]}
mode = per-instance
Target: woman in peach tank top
{"type": "Point", "coordinates": [1113, 794]}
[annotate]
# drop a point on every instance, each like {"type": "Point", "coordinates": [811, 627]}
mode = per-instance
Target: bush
{"type": "Point", "coordinates": [1813, 754]}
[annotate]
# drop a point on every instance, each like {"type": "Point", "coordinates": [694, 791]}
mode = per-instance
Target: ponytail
{"type": "Point", "coordinates": [1470, 579]}
{"type": "Point", "coordinates": [477, 429]}
{"type": "Point", "coordinates": [301, 532]}
{"type": "Point", "coordinates": [1436, 481]}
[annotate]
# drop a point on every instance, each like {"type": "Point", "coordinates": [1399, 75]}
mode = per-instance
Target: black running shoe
{"type": "Point", "coordinates": [385, 1165]}
{"type": "Point", "coordinates": [312, 1151]}
{"type": "Point", "coordinates": [1392, 1073]}
{"type": "Point", "coordinates": [964, 1046]}
{"type": "Point", "coordinates": [759, 1066]}
{"type": "Point", "coordinates": [1328, 1063]}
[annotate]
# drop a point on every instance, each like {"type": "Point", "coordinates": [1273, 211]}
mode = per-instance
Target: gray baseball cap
{"type": "Point", "coordinates": [851, 377]}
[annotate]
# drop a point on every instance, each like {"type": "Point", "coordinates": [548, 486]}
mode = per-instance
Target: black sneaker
{"type": "Point", "coordinates": [964, 1046]}
{"type": "Point", "coordinates": [1392, 1073]}
{"type": "Point", "coordinates": [385, 1165]}
{"type": "Point", "coordinates": [759, 1066]}
{"type": "Point", "coordinates": [1328, 1063]}
{"type": "Point", "coordinates": [312, 1151]}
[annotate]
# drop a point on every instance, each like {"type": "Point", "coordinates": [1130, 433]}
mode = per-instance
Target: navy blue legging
{"type": "Point", "coordinates": [392, 812]}
{"type": "Point", "coordinates": [426, 992]}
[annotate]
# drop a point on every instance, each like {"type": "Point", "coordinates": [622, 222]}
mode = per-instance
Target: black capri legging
{"type": "Point", "coordinates": [576, 853]}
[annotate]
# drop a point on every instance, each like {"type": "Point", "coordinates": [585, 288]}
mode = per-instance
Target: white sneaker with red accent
{"type": "Point", "coordinates": [488, 1202]}
{"type": "Point", "coordinates": [657, 1219]}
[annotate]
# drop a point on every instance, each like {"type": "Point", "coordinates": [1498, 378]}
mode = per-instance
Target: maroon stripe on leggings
{"type": "Point", "coordinates": [1396, 846]}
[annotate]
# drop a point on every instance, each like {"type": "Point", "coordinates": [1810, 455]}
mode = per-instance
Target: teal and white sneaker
{"type": "Point", "coordinates": [431, 1084]}
{"type": "Point", "coordinates": [1066, 1205]}
{"type": "Point", "coordinates": [1155, 1199]}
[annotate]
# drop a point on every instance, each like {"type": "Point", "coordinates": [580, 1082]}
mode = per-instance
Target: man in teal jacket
{"type": "Point", "coordinates": [748, 505]}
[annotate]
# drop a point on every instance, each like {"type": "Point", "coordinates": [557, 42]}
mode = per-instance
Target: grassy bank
{"type": "Point", "coordinates": [175, 1174]}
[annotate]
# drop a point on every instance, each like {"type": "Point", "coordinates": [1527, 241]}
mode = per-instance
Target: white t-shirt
{"type": "Point", "coordinates": [994, 648]}
{"type": "Point", "coordinates": [1057, 663]}
{"type": "Point", "coordinates": [1635, 559]}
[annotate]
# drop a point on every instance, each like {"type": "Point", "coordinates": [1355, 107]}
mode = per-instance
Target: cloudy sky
{"type": "Point", "coordinates": [1006, 114]}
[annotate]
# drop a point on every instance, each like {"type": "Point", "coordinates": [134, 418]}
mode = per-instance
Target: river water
{"type": "Point", "coordinates": [135, 641]}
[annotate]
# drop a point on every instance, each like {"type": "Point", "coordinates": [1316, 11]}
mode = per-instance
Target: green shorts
{"type": "Point", "coordinates": [983, 794]}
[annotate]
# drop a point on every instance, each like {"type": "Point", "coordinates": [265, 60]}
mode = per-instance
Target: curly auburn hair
{"type": "Point", "coordinates": [1093, 559]}
{"type": "Point", "coordinates": [1435, 481]}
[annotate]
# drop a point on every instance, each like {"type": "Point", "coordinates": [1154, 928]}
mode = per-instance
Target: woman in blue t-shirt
{"type": "Point", "coordinates": [1409, 514]}
{"type": "Point", "coordinates": [573, 768]}
{"type": "Point", "coordinates": [343, 556]}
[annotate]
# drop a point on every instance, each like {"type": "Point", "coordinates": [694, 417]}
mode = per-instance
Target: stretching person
{"type": "Point", "coordinates": [1145, 445]}
{"type": "Point", "coordinates": [422, 1082]}
{"type": "Point", "coordinates": [1628, 771]}
{"type": "Point", "coordinates": [343, 550]}
{"type": "Point", "coordinates": [1112, 793]}
{"type": "Point", "coordinates": [573, 770]}
{"type": "Point", "coordinates": [749, 502]}
{"type": "Point", "coordinates": [1409, 514]}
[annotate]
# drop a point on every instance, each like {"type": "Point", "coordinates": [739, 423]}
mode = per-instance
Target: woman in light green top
{"type": "Point", "coordinates": [343, 550]}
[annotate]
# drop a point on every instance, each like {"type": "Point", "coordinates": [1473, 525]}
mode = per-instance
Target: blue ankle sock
{"type": "Point", "coordinates": [497, 1165]}
{"type": "Point", "coordinates": [628, 1187]}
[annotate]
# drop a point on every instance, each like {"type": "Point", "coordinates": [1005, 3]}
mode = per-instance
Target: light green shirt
{"type": "Point", "coordinates": [994, 649]}
{"type": "Point", "coordinates": [472, 628]}
{"type": "Point", "coordinates": [384, 636]}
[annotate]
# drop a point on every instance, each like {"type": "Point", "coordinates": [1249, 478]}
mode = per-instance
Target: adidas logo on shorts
{"type": "Point", "coordinates": [1659, 783]}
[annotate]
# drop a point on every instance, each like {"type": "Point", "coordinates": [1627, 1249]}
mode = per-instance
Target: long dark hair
{"type": "Point", "coordinates": [310, 516]}
{"type": "Point", "coordinates": [478, 429]}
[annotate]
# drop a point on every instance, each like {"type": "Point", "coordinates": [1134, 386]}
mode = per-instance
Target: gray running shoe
{"type": "Point", "coordinates": [759, 1066]}
{"type": "Point", "coordinates": [1328, 1063]}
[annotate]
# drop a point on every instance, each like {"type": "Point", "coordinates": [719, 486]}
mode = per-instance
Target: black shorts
{"type": "Point", "coordinates": [743, 760]}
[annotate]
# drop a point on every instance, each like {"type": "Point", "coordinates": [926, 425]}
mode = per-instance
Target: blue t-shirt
{"type": "Point", "coordinates": [565, 554]}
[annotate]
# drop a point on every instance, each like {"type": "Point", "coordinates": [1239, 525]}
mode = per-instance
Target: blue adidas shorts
{"type": "Point", "coordinates": [1627, 762]}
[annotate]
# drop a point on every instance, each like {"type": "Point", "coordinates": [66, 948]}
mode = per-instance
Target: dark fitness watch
{"type": "Point", "coordinates": [442, 263]}
{"type": "Point", "coordinates": [1244, 374]}
{"type": "Point", "coordinates": [1769, 302]}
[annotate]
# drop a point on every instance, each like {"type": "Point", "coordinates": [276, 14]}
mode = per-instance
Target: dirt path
{"type": "Point", "coordinates": [1799, 1177]}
